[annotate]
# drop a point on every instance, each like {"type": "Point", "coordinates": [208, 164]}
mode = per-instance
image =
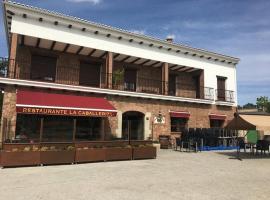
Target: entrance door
{"type": "Point", "coordinates": [130, 79]}
{"type": "Point", "coordinates": [90, 74]}
{"type": "Point", "coordinates": [172, 84]}
{"type": "Point", "coordinates": [133, 126]}
{"type": "Point", "coordinates": [221, 88]}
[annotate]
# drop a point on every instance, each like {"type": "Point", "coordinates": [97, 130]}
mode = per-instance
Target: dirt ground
{"type": "Point", "coordinates": [173, 175]}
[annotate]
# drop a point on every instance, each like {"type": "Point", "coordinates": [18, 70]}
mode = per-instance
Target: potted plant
{"type": "Point", "coordinates": [89, 154]}
{"type": "Point", "coordinates": [27, 156]}
{"type": "Point", "coordinates": [119, 153]}
{"type": "Point", "coordinates": [57, 155]}
{"type": "Point", "coordinates": [117, 78]}
{"type": "Point", "coordinates": [146, 151]}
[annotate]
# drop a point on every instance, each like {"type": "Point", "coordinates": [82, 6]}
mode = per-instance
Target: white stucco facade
{"type": "Point", "coordinates": [212, 64]}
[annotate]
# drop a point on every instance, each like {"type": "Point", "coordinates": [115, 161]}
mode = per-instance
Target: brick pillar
{"type": "Point", "coordinates": [201, 85]}
{"type": "Point", "coordinates": [12, 55]}
{"type": "Point", "coordinates": [165, 78]}
{"type": "Point", "coordinates": [109, 69]}
{"type": "Point", "coordinates": [9, 113]}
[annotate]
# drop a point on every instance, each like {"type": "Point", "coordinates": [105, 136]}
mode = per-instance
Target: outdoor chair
{"type": "Point", "coordinates": [263, 146]}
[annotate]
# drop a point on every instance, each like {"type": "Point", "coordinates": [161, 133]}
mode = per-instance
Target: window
{"type": "Point", "coordinates": [57, 129]}
{"type": "Point", "coordinates": [214, 123]}
{"type": "Point", "coordinates": [43, 68]}
{"type": "Point", "coordinates": [88, 128]}
{"type": "Point", "coordinates": [178, 124]}
{"type": "Point", "coordinates": [27, 128]}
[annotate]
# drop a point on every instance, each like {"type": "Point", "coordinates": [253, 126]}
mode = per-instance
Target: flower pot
{"type": "Point", "coordinates": [90, 155]}
{"type": "Point", "coordinates": [20, 158]}
{"type": "Point", "coordinates": [118, 153]}
{"type": "Point", "coordinates": [146, 152]}
{"type": "Point", "coordinates": [57, 157]}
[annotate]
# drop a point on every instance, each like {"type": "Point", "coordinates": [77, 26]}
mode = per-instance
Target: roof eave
{"type": "Point", "coordinates": [116, 30]}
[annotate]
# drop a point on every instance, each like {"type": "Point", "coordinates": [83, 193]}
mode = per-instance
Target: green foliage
{"type": "Point", "coordinates": [249, 106]}
{"type": "Point", "coordinates": [262, 103]}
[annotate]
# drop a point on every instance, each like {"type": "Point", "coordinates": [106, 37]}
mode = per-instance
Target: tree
{"type": "Point", "coordinates": [249, 106]}
{"type": "Point", "coordinates": [262, 103]}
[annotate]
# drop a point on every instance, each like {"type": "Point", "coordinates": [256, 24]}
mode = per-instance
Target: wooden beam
{"type": "Point", "coordinates": [137, 59]}
{"type": "Point", "coordinates": [103, 54]}
{"type": "Point", "coordinates": [143, 63]}
{"type": "Point", "coordinates": [125, 58]}
{"type": "Point", "coordinates": [92, 52]}
{"type": "Point", "coordinates": [116, 55]}
{"type": "Point", "coordinates": [155, 63]}
{"type": "Point", "coordinates": [173, 66]}
{"type": "Point", "coordinates": [192, 70]}
{"type": "Point", "coordinates": [38, 42]}
{"type": "Point", "coordinates": [187, 69]}
{"type": "Point", "coordinates": [109, 69]}
{"type": "Point", "coordinates": [182, 67]}
{"type": "Point", "coordinates": [53, 44]}
{"type": "Point", "coordinates": [165, 78]}
{"type": "Point", "coordinates": [176, 67]}
{"type": "Point", "coordinates": [79, 50]}
{"type": "Point", "coordinates": [66, 47]}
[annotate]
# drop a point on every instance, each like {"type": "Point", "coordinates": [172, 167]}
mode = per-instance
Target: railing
{"type": "Point", "coordinates": [191, 91]}
{"type": "Point", "coordinates": [225, 95]}
{"type": "Point", "coordinates": [70, 75]}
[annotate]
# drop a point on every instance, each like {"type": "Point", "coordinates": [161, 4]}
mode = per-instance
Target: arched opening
{"type": "Point", "coordinates": [133, 125]}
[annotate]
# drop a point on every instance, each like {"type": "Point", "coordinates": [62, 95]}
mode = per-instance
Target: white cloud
{"type": "Point", "coordinates": [141, 32]}
{"type": "Point", "coordinates": [86, 1]}
{"type": "Point", "coordinates": [172, 36]}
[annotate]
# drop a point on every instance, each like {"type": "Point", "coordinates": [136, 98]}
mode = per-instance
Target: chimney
{"type": "Point", "coordinates": [169, 39]}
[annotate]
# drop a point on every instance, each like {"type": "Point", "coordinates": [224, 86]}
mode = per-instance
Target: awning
{"type": "Point", "coordinates": [180, 114]}
{"type": "Point", "coordinates": [30, 102]}
{"type": "Point", "coordinates": [251, 122]}
{"type": "Point", "coordinates": [217, 116]}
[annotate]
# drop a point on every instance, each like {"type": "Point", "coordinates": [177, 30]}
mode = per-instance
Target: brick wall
{"type": "Point", "coordinates": [149, 107]}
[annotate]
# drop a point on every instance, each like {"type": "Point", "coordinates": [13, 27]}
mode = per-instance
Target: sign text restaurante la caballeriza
{"type": "Point", "coordinates": [69, 112]}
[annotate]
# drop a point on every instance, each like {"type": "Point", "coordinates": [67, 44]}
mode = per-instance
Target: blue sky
{"type": "Point", "coordinates": [240, 28]}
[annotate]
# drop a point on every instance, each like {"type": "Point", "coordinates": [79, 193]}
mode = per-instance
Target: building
{"type": "Point", "coordinates": [67, 78]}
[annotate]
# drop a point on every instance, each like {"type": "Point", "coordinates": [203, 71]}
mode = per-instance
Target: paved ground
{"type": "Point", "coordinates": [173, 175]}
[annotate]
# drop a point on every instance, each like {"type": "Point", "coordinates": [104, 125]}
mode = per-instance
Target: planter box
{"type": "Point", "coordinates": [144, 152]}
{"type": "Point", "coordinates": [90, 155]}
{"type": "Point", "coordinates": [26, 158]}
{"type": "Point", "coordinates": [57, 157]}
{"type": "Point", "coordinates": [115, 153]}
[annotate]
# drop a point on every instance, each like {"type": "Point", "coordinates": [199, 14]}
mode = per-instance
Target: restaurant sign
{"type": "Point", "coordinates": [67, 112]}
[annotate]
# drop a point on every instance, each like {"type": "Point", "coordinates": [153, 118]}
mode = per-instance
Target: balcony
{"type": "Point", "coordinates": [225, 95]}
{"type": "Point", "coordinates": [71, 75]}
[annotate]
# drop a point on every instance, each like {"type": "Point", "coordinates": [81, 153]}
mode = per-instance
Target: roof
{"type": "Point", "coordinates": [84, 22]}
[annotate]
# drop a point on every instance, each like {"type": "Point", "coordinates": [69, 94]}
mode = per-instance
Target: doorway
{"type": "Point", "coordinates": [133, 125]}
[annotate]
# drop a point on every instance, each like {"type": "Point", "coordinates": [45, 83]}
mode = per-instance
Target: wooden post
{"type": "Point", "coordinates": [74, 130]}
{"type": "Point", "coordinates": [41, 129]}
{"type": "Point", "coordinates": [102, 129]}
{"type": "Point", "coordinates": [12, 55]}
{"type": "Point", "coordinates": [109, 69]}
{"type": "Point", "coordinates": [165, 78]}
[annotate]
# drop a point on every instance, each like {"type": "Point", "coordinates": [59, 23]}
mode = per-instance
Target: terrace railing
{"type": "Point", "coordinates": [225, 95]}
{"type": "Point", "coordinates": [70, 75]}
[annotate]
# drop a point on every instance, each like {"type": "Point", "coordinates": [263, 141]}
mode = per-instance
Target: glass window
{"type": "Point", "coordinates": [27, 128]}
{"type": "Point", "coordinates": [57, 129]}
{"type": "Point", "coordinates": [214, 123]}
{"type": "Point", "coordinates": [178, 124]}
{"type": "Point", "coordinates": [88, 128]}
